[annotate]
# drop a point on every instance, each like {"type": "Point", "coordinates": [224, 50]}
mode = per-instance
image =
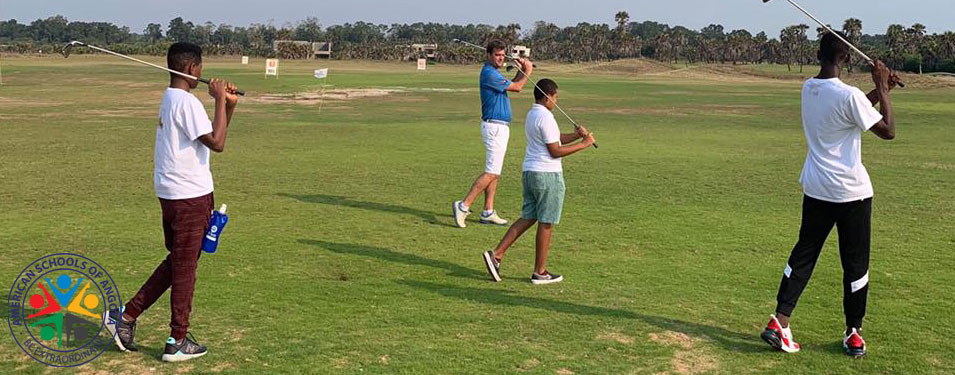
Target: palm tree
{"type": "Point", "coordinates": [896, 41]}
{"type": "Point", "coordinates": [853, 30]}
{"type": "Point", "coordinates": [916, 39]}
{"type": "Point", "coordinates": [793, 40]}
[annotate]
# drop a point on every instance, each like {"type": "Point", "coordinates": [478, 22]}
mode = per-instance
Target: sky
{"type": "Point", "coordinates": [752, 15]}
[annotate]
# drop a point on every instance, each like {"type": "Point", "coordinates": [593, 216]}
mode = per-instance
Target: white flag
{"type": "Point", "coordinates": [321, 73]}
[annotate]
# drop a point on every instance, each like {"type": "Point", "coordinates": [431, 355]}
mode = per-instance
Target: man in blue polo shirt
{"type": "Point", "coordinates": [495, 118]}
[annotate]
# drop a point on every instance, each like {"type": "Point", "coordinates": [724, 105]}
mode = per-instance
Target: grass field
{"type": "Point", "coordinates": [340, 256]}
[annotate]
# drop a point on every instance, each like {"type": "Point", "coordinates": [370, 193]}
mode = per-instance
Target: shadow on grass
{"type": "Point", "coordinates": [732, 341]}
{"type": "Point", "coordinates": [337, 200]}
{"type": "Point", "coordinates": [394, 256]}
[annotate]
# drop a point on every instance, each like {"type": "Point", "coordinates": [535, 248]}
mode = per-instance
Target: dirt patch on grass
{"type": "Point", "coordinates": [341, 363]}
{"type": "Point", "coordinates": [529, 364]}
{"type": "Point", "coordinates": [222, 366]}
{"type": "Point", "coordinates": [615, 336]}
{"type": "Point", "coordinates": [236, 334]}
{"type": "Point", "coordinates": [690, 357]}
{"type": "Point", "coordinates": [315, 97]}
{"type": "Point", "coordinates": [564, 371]}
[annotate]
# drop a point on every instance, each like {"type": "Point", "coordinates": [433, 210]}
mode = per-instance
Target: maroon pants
{"type": "Point", "coordinates": [184, 223]}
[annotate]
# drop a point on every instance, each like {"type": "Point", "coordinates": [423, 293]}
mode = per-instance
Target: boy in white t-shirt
{"type": "Point", "coordinates": [543, 182]}
{"type": "Point", "coordinates": [837, 190]}
{"type": "Point", "coordinates": [183, 183]}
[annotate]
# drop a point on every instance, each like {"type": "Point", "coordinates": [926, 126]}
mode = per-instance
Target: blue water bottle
{"type": "Point", "coordinates": [216, 224]}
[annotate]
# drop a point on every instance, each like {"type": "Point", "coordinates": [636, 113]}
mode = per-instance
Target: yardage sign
{"type": "Point", "coordinates": [272, 67]}
{"type": "Point", "coordinates": [245, 60]}
{"type": "Point", "coordinates": [422, 64]}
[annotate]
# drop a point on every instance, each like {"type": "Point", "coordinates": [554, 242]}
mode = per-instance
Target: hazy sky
{"type": "Point", "coordinates": [752, 15]}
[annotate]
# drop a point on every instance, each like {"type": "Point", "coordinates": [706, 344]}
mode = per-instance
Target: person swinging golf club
{"type": "Point", "coordinates": [495, 118]}
{"type": "Point", "coordinates": [542, 180]}
{"type": "Point", "coordinates": [183, 183]}
{"type": "Point", "coordinates": [837, 190]}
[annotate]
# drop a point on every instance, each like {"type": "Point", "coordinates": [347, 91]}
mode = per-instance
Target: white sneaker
{"type": "Point", "coordinates": [493, 266]}
{"type": "Point", "coordinates": [460, 215]}
{"type": "Point", "coordinates": [545, 278]}
{"type": "Point", "coordinates": [492, 218]}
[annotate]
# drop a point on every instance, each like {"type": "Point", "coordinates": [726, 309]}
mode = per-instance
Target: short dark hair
{"type": "Point", "coordinates": [494, 45]}
{"type": "Point", "coordinates": [548, 86]}
{"type": "Point", "coordinates": [831, 49]}
{"type": "Point", "coordinates": [181, 54]}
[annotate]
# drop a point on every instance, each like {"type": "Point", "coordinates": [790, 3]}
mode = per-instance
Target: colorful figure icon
{"type": "Point", "coordinates": [90, 301]}
{"type": "Point", "coordinates": [36, 301]}
{"type": "Point", "coordinates": [47, 332]}
{"type": "Point", "coordinates": [64, 288]}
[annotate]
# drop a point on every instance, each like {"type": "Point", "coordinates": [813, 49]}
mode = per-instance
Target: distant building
{"type": "Point", "coordinates": [428, 50]}
{"type": "Point", "coordinates": [316, 48]}
{"type": "Point", "coordinates": [520, 51]}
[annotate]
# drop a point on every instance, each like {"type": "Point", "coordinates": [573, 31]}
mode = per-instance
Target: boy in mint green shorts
{"type": "Point", "coordinates": [543, 182]}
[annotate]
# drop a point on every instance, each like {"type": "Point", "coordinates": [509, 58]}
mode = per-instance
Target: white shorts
{"type": "Point", "coordinates": [495, 142]}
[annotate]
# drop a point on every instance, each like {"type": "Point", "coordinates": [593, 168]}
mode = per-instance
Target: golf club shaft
{"type": "Point", "coordinates": [517, 66]}
{"type": "Point", "coordinates": [864, 56]}
{"type": "Point", "coordinates": [203, 80]}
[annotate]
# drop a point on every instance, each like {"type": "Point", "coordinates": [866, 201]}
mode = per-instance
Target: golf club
{"type": "Point", "coordinates": [864, 56]}
{"type": "Point", "coordinates": [69, 48]}
{"type": "Point", "coordinates": [529, 79]}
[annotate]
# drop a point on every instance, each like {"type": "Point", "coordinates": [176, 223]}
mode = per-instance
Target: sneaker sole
{"type": "Point", "coordinates": [854, 353]}
{"type": "Point", "coordinates": [551, 281]}
{"type": "Point", "coordinates": [179, 357]}
{"type": "Point", "coordinates": [482, 221]}
{"type": "Point", "coordinates": [489, 263]}
{"type": "Point", "coordinates": [112, 331]}
{"type": "Point", "coordinates": [772, 338]}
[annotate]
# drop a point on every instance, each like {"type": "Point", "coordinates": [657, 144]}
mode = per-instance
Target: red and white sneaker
{"type": "Point", "coordinates": [854, 344]}
{"type": "Point", "coordinates": [778, 337]}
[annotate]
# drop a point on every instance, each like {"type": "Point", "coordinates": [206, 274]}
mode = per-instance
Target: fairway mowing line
{"type": "Point", "coordinates": [642, 110]}
{"type": "Point", "coordinates": [24, 103]}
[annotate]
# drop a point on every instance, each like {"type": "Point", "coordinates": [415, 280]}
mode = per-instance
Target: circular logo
{"type": "Point", "coordinates": [58, 308]}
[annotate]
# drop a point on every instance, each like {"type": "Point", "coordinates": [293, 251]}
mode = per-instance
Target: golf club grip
{"type": "Point", "coordinates": [237, 92]}
{"type": "Point", "coordinates": [578, 126]}
{"type": "Point", "coordinates": [901, 85]}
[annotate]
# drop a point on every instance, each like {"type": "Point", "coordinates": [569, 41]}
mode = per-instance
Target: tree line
{"type": "Point", "coordinates": [905, 48]}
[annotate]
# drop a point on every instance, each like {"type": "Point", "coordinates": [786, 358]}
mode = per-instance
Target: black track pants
{"type": "Point", "coordinates": [853, 221]}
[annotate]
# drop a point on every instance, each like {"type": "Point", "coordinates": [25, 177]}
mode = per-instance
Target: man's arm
{"type": "Point", "coordinates": [885, 128]}
{"type": "Point", "coordinates": [873, 95]}
{"type": "Point", "coordinates": [517, 84]}
{"type": "Point", "coordinates": [558, 151]}
{"type": "Point", "coordinates": [225, 105]}
{"type": "Point", "coordinates": [566, 138]}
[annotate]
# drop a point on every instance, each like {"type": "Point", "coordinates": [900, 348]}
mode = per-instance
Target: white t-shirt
{"type": "Point", "coordinates": [541, 129]}
{"type": "Point", "coordinates": [181, 161]}
{"type": "Point", "coordinates": [834, 116]}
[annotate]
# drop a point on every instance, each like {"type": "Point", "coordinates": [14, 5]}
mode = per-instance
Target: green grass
{"type": "Point", "coordinates": [340, 256]}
